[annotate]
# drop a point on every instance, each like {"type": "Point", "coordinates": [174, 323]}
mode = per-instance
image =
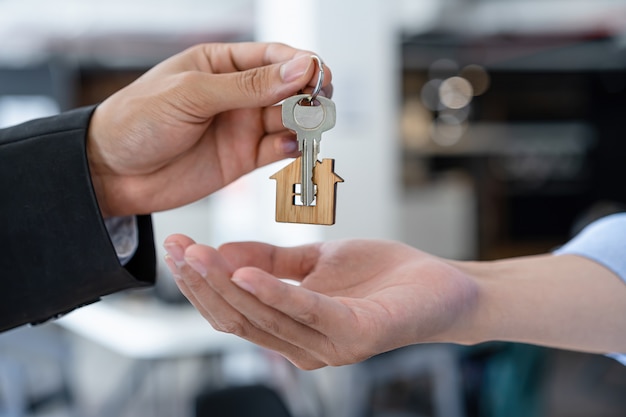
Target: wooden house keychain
{"type": "Point", "coordinates": [306, 188]}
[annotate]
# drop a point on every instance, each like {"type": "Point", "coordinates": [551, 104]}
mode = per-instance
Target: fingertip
{"type": "Point", "coordinates": [204, 259]}
{"type": "Point", "coordinates": [295, 68]}
{"type": "Point", "coordinates": [174, 267]}
{"type": "Point", "coordinates": [327, 91]}
{"type": "Point", "coordinates": [244, 284]}
{"type": "Point", "coordinates": [286, 145]}
{"type": "Point", "coordinates": [197, 265]}
{"type": "Point", "coordinates": [175, 246]}
{"type": "Point", "coordinates": [201, 253]}
{"type": "Point", "coordinates": [178, 238]}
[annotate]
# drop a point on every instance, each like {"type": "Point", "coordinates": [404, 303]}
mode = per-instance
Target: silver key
{"type": "Point", "coordinates": [309, 122]}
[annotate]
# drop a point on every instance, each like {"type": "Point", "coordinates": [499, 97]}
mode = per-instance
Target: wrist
{"type": "Point", "coordinates": [511, 300]}
{"type": "Point", "coordinates": [473, 324]}
{"type": "Point", "coordinates": [567, 302]}
{"type": "Point", "coordinates": [491, 320]}
{"type": "Point", "coordinates": [96, 165]}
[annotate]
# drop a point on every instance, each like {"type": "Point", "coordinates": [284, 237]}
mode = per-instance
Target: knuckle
{"type": "Point", "coordinates": [267, 324]}
{"type": "Point", "coordinates": [252, 81]}
{"type": "Point", "coordinates": [232, 327]}
{"type": "Point", "coordinates": [198, 49]}
{"type": "Point", "coordinates": [188, 77]}
{"type": "Point", "coordinates": [309, 316]}
{"type": "Point", "coordinates": [195, 283]}
{"type": "Point", "coordinates": [185, 83]}
{"type": "Point", "coordinates": [182, 93]}
{"type": "Point", "coordinates": [176, 89]}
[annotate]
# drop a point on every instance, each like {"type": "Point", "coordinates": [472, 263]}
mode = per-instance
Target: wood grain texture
{"type": "Point", "coordinates": [324, 177]}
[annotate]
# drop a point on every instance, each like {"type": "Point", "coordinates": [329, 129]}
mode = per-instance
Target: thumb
{"type": "Point", "coordinates": [258, 87]}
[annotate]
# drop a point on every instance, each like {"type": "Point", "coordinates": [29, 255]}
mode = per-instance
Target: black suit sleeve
{"type": "Point", "coordinates": [55, 252]}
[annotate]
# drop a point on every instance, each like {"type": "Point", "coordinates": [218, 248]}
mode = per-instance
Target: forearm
{"type": "Point", "coordinates": [565, 301]}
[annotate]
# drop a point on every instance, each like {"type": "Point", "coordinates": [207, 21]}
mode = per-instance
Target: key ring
{"type": "Point", "coordinates": [320, 78]}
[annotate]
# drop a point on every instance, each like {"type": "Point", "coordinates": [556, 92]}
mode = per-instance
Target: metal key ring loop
{"type": "Point", "coordinates": [320, 78]}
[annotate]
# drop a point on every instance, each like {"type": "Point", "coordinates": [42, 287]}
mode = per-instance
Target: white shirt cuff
{"type": "Point", "coordinates": [124, 235]}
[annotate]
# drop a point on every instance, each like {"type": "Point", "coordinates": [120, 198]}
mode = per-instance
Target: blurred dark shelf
{"type": "Point", "coordinates": [590, 52]}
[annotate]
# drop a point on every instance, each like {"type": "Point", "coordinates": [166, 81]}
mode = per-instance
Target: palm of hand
{"type": "Point", "coordinates": [397, 293]}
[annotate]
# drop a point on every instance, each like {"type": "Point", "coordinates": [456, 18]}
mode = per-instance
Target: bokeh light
{"type": "Point", "coordinates": [447, 131]}
{"type": "Point", "coordinates": [455, 92]}
{"type": "Point", "coordinates": [448, 94]}
{"type": "Point", "coordinates": [430, 95]}
{"type": "Point", "coordinates": [478, 77]}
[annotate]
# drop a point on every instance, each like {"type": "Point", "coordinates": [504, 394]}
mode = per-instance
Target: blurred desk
{"type": "Point", "coordinates": [150, 333]}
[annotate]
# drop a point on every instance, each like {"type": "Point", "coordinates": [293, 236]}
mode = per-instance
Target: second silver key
{"type": "Point", "coordinates": [309, 120]}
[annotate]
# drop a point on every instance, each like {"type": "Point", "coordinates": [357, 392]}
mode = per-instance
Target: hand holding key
{"type": "Point", "coordinates": [193, 124]}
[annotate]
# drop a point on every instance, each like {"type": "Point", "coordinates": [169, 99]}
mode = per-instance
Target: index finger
{"type": "Point", "coordinates": [224, 58]}
{"type": "Point", "coordinates": [242, 56]}
{"type": "Point", "coordinates": [229, 57]}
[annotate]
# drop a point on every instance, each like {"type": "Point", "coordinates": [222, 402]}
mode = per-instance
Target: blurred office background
{"type": "Point", "coordinates": [472, 129]}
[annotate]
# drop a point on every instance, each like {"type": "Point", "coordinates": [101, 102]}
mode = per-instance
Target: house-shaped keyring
{"type": "Point", "coordinates": [288, 183]}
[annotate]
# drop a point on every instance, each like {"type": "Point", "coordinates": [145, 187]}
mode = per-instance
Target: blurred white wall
{"type": "Point", "coordinates": [114, 32]}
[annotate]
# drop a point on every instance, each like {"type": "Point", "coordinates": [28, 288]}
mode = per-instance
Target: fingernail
{"type": "Point", "coordinates": [243, 285]}
{"type": "Point", "coordinates": [172, 267]}
{"type": "Point", "coordinates": [176, 252]}
{"type": "Point", "coordinates": [295, 68]}
{"type": "Point", "coordinates": [195, 264]}
{"type": "Point", "coordinates": [287, 145]}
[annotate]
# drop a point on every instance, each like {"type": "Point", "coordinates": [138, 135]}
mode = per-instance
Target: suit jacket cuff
{"type": "Point", "coordinates": [56, 252]}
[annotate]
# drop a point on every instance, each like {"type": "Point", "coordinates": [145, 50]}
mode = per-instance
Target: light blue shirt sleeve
{"type": "Point", "coordinates": [124, 236]}
{"type": "Point", "coordinates": [603, 241]}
